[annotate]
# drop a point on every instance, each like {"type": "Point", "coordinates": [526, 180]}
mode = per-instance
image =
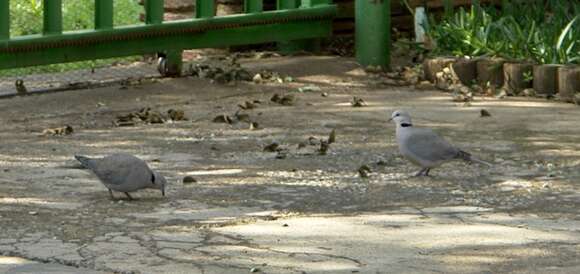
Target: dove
{"type": "Point", "coordinates": [124, 173]}
{"type": "Point", "coordinates": [424, 147]}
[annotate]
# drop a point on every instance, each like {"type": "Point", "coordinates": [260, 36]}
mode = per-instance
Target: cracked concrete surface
{"type": "Point", "coordinates": [306, 213]}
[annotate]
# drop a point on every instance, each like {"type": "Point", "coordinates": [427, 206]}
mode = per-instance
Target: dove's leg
{"type": "Point", "coordinates": [421, 172]}
{"type": "Point", "coordinates": [418, 173]}
{"type": "Point", "coordinates": [111, 193]}
{"type": "Point", "coordinates": [128, 196]}
{"type": "Point", "coordinates": [427, 172]}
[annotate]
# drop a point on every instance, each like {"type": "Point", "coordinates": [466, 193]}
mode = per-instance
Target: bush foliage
{"type": "Point", "coordinates": [543, 31]}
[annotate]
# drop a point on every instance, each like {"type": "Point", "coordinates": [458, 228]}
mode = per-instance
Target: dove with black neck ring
{"type": "Point", "coordinates": [424, 147]}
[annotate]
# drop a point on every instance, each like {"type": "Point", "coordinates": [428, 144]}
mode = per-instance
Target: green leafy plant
{"type": "Point", "coordinates": [26, 17]}
{"type": "Point", "coordinates": [470, 32]}
{"type": "Point", "coordinates": [528, 76]}
{"type": "Point", "coordinates": [544, 31]}
{"type": "Point", "coordinates": [568, 45]}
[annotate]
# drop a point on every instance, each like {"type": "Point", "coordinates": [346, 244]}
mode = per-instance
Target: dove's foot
{"type": "Point", "coordinates": [128, 196]}
{"type": "Point", "coordinates": [422, 172]}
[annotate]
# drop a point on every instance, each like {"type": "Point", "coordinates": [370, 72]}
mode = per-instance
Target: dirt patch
{"type": "Point", "coordinates": [54, 212]}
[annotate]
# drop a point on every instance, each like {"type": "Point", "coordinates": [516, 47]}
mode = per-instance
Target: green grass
{"type": "Point", "coordinates": [26, 19]}
{"type": "Point", "coordinates": [26, 15]}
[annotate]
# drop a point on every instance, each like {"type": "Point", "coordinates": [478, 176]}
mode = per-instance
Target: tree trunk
{"type": "Point", "coordinates": [568, 82]}
{"type": "Point", "coordinates": [546, 79]}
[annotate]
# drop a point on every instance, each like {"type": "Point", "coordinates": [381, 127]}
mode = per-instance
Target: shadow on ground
{"type": "Point", "coordinates": [306, 212]}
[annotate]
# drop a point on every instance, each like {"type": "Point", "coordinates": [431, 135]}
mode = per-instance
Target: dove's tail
{"type": "Point", "coordinates": [468, 157]}
{"type": "Point", "coordinates": [85, 161]}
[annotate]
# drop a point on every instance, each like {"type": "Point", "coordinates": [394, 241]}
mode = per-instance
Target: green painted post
{"type": "Point", "coordinates": [52, 17]}
{"type": "Point", "coordinates": [170, 62]}
{"type": "Point", "coordinates": [288, 47]}
{"type": "Point", "coordinates": [153, 11]}
{"type": "Point", "coordinates": [204, 8]}
{"type": "Point", "coordinates": [103, 14]}
{"type": "Point", "coordinates": [287, 4]}
{"type": "Point", "coordinates": [373, 35]}
{"type": "Point", "coordinates": [312, 3]}
{"type": "Point", "coordinates": [4, 20]}
{"type": "Point", "coordinates": [313, 45]}
{"type": "Point", "coordinates": [253, 6]}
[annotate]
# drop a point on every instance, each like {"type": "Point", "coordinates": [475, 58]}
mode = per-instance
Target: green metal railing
{"type": "Point", "coordinates": [293, 21]}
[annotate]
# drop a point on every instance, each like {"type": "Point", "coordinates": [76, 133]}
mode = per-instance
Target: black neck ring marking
{"type": "Point", "coordinates": [406, 125]}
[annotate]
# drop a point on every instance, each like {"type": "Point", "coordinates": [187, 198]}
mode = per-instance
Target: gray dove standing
{"type": "Point", "coordinates": [124, 173]}
{"type": "Point", "coordinates": [424, 147]}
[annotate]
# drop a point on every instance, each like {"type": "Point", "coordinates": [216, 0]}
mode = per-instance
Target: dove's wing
{"type": "Point", "coordinates": [119, 169]}
{"type": "Point", "coordinates": [428, 147]}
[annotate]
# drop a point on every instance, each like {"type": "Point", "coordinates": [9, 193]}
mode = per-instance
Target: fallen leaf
{"type": "Point", "coordinates": [20, 87]}
{"type": "Point", "coordinates": [313, 141]}
{"type": "Point", "coordinates": [288, 100]}
{"type": "Point", "coordinates": [243, 117]}
{"type": "Point", "coordinates": [223, 119]}
{"type": "Point", "coordinates": [364, 171]}
{"type": "Point", "coordinates": [276, 98]}
{"type": "Point", "coordinates": [247, 105]}
{"type": "Point", "coordinates": [282, 154]}
{"type": "Point", "coordinates": [332, 137]}
{"type": "Point", "coordinates": [324, 146]}
{"type": "Point", "coordinates": [358, 102]}
{"type": "Point", "coordinates": [273, 147]}
{"type": "Point", "coordinates": [309, 88]}
{"type": "Point", "coordinates": [485, 113]}
{"type": "Point", "coordinates": [59, 131]}
{"type": "Point", "coordinates": [155, 117]}
{"type": "Point", "coordinates": [189, 180]}
{"type": "Point", "coordinates": [176, 115]}
{"type": "Point", "coordinates": [254, 126]}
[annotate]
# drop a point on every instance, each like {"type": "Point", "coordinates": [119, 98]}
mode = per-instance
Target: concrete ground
{"type": "Point", "coordinates": [304, 213]}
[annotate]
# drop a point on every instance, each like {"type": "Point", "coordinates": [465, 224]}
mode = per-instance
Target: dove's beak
{"type": "Point", "coordinates": [390, 119]}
